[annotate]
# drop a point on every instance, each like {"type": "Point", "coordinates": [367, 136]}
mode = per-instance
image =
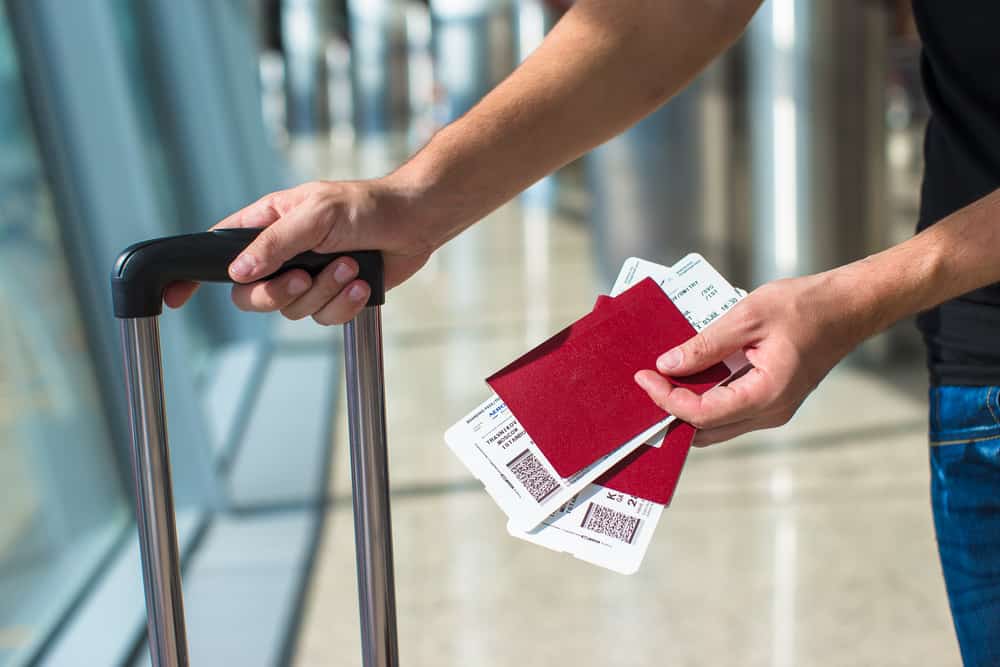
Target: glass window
{"type": "Point", "coordinates": [63, 505]}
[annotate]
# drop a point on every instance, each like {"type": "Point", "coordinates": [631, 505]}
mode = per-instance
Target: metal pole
{"type": "Point", "coordinates": [370, 483]}
{"type": "Point", "coordinates": [305, 32]}
{"type": "Point", "coordinates": [161, 573]}
{"type": "Point", "coordinates": [379, 74]}
{"type": "Point", "coordinates": [816, 75]}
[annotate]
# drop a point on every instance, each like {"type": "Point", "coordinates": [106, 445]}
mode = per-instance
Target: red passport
{"type": "Point", "coordinates": [575, 394]}
{"type": "Point", "coordinates": [651, 472]}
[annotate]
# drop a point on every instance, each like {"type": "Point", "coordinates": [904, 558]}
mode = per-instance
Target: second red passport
{"type": "Point", "coordinates": [651, 473]}
{"type": "Point", "coordinates": [575, 394]}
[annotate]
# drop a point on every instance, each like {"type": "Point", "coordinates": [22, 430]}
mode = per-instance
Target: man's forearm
{"type": "Point", "coordinates": [957, 255]}
{"type": "Point", "coordinates": [604, 66]}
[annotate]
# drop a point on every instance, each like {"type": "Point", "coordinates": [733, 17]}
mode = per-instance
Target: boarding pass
{"type": "Point", "coordinates": [573, 514]}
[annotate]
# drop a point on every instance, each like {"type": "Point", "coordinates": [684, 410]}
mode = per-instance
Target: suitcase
{"type": "Point", "coordinates": [140, 274]}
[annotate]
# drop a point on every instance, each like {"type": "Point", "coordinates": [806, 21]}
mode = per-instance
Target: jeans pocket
{"type": "Point", "coordinates": [965, 492]}
{"type": "Point", "coordinates": [963, 414]}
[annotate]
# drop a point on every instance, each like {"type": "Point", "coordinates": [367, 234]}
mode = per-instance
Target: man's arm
{"type": "Point", "coordinates": [794, 331]}
{"type": "Point", "coordinates": [604, 66]}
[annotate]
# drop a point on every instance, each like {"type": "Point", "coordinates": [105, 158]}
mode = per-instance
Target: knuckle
{"type": "Point", "coordinates": [700, 420]}
{"type": "Point", "coordinates": [274, 295]}
{"type": "Point", "coordinates": [294, 314]}
{"type": "Point", "coordinates": [768, 291]}
{"type": "Point", "coordinates": [319, 226]}
{"type": "Point", "coordinates": [328, 315]}
{"type": "Point", "coordinates": [327, 319]}
{"type": "Point", "coordinates": [700, 423]}
{"type": "Point", "coordinates": [313, 201]}
{"type": "Point", "coordinates": [659, 401]}
{"type": "Point", "coordinates": [700, 346]}
{"type": "Point", "coordinates": [326, 282]}
{"type": "Point", "coordinates": [331, 234]}
{"type": "Point", "coordinates": [269, 242]}
{"type": "Point", "coordinates": [239, 299]}
{"type": "Point", "coordinates": [262, 303]}
{"type": "Point", "coordinates": [748, 318]}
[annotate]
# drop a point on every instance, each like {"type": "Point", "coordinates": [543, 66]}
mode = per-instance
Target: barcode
{"type": "Point", "coordinates": [532, 474]}
{"type": "Point", "coordinates": [605, 521]}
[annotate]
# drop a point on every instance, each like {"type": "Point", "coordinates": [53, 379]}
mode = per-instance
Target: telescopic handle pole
{"type": "Point", "coordinates": [154, 498]}
{"type": "Point", "coordinates": [141, 273]}
{"type": "Point", "coordinates": [370, 488]}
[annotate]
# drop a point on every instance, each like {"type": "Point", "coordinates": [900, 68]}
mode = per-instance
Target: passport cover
{"type": "Point", "coordinates": [651, 473]}
{"type": "Point", "coordinates": [575, 394]}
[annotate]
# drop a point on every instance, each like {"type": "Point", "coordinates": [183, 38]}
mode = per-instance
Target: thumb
{"type": "Point", "coordinates": [301, 229]}
{"type": "Point", "coordinates": [709, 347]}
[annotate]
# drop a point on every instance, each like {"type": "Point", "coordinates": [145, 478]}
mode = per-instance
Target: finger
{"type": "Point", "coordinates": [744, 398]}
{"type": "Point", "coordinates": [730, 333]}
{"type": "Point", "coordinates": [272, 294]}
{"type": "Point", "coordinates": [346, 305]}
{"type": "Point", "coordinates": [261, 213]}
{"type": "Point", "coordinates": [177, 294]}
{"type": "Point", "coordinates": [723, 433]}
{"type": "Point", "coordinates": [325, 286]}
{"type": "Point", "coordinates": [300, 230]}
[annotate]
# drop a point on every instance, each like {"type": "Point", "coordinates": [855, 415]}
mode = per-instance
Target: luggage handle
{"type": "Point", "coordinates": [138, 279]}
{"type": "Point", "coordinates": [144, 270]}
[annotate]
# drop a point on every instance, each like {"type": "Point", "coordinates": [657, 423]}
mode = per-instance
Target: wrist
{"type": "Point", "coordinates": [848, 309]}
{"type": "Point", "coordinates": [888, 286]}
{"type": "Point", "coordinates": [437, 208]}
{"type": "Point", "coordinates": [409, 201]}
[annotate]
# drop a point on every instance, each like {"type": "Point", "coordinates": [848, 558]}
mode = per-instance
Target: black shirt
{"type": "Point", "coordinates": [960, 65]}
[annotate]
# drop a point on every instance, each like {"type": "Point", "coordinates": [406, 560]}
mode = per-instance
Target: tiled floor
{"type": "Point", "coordinates": [811, 545]}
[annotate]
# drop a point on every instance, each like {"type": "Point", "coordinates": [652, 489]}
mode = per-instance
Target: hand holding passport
{"type": "Point", "coordinates": [570, 448]}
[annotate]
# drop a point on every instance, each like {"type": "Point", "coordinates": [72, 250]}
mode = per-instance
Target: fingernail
{"type": "Point", "coordinates": [297, 286]}
{"type": "Point", "coordinates": [670, 360]}
{"type": "Point", "coordinates": [243, 266]}
{"type": "Point", "coordinates": [358, 293]}
{"type": "Point", "coordinates": [343, 273]}
{"type": "Point", "coordinates": [640, 379]}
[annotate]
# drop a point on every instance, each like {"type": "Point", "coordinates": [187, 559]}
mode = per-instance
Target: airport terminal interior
{"type": "Point", "coordinates": [811, 544]}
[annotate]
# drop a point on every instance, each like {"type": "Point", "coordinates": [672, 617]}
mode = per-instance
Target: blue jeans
{"type": "Point", "coordinates": [965, 492]}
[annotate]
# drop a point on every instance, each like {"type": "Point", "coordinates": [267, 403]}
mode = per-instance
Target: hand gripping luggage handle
{"type": "Point", "coordinates": [140, 275]}
{"type": "Point", "coordinates": [144, 270]}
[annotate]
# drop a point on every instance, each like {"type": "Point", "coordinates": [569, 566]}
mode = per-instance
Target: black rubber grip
{"type": "Point", "coordinates": [142, 271]}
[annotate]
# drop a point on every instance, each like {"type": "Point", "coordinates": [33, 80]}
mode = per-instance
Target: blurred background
{"type": "Point", "coordinates": [798, 150]}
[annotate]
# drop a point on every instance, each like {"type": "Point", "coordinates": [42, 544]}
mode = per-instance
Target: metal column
{"type": "Point", "coordinates": [817, 132]}
{"type": "Point", "coordinates": [663, 187]}
{"type": "Point", "coordinates": [379, 68]}
{"type": "Point", "coordinates": [304, 29]}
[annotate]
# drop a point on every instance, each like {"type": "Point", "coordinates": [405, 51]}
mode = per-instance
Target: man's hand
{"type": "Point", "coordinates": [325, 217]}
{"type": "Point", "coordinates": [639, 53]}
{"type": "Point", "coordinates": [792, 331]}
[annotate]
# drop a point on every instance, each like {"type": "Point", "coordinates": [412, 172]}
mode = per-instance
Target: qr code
{"type": "Point", "coordinates": [605, 521]}
{"type": "Point", "coordinates": [532, 474]}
